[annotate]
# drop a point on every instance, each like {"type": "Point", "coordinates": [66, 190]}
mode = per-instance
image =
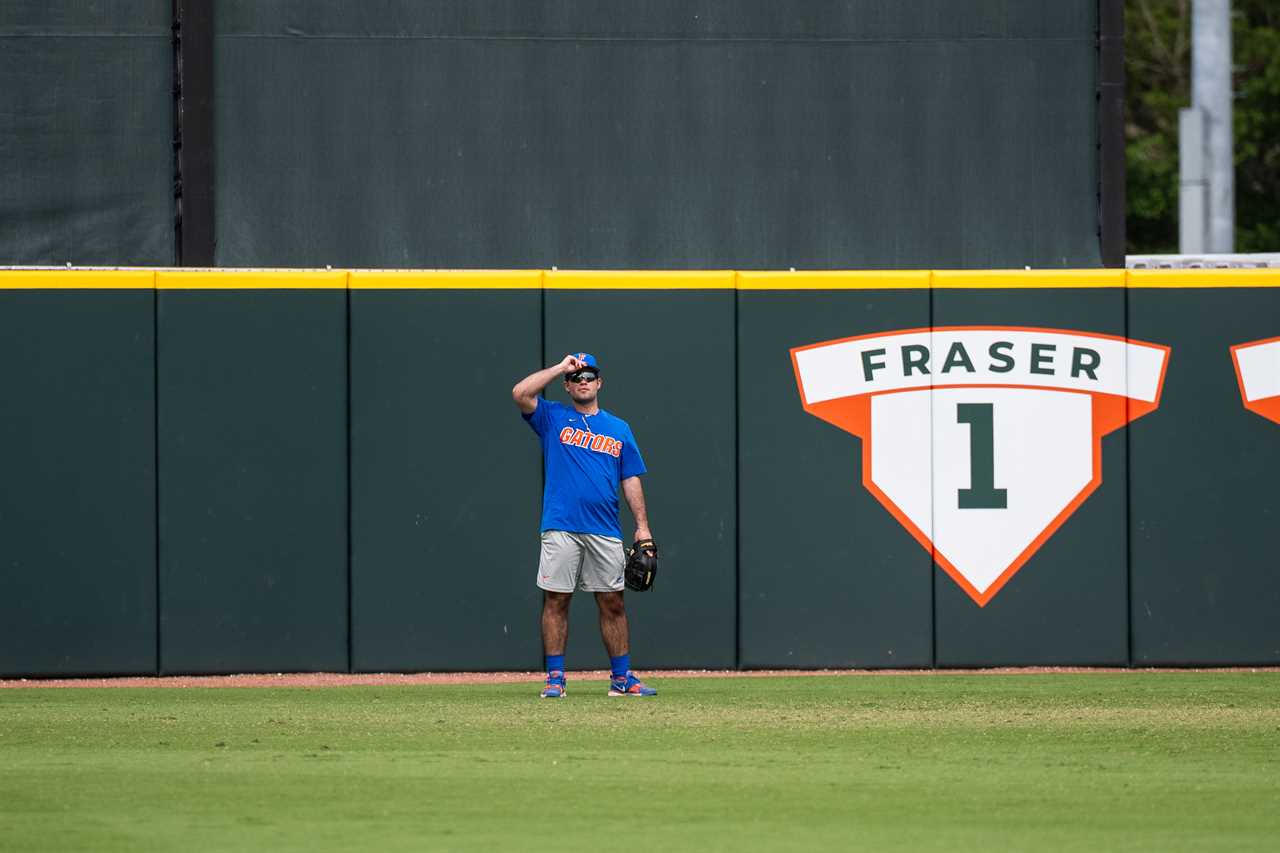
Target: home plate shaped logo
{"type": "Point", "coordinates": [1258, 372]}
{"type": "Point", "coordinates": [981, 440]}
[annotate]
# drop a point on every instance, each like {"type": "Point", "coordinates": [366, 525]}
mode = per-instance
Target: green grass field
{"type": "Point", "coordinates": [1105, 761]}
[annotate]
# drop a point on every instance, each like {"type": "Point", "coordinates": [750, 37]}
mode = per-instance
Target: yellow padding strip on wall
{"type": "Point", "coordinates": [245, 279]}
{"type": "Point", "coordinates": [1026, 279]}
{"type": "Point", "coordinates": [637, 280]}
{"type": "Point", "coordinates": [77, 279]}
{"type": "Point", "coordinates": [1205, 278]}
{"type": "Point", "coordinates": [835, 280]}
{"type": "Point", "coordinates": [251, 280]}
{"type": "Point", "coordinates": [446, 279]}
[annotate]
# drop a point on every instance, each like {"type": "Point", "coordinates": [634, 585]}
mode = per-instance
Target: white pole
{"type": "Point", "coordinates": [1193, 190]}
{"type": "Point", "coordinates": [1211, 94]}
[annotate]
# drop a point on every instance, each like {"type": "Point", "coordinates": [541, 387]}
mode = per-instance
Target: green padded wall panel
{"type": "Point", "coordinates": [253, 480]}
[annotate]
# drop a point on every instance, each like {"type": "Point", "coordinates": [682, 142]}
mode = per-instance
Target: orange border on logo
{"type": "Point", "coordinates": [1267, 407]}
{"type": "Point", "coordinates": [853, 414]}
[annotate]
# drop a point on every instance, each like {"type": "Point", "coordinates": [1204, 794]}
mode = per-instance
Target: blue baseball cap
{"type": "Point", "coordinates": [588, 360]}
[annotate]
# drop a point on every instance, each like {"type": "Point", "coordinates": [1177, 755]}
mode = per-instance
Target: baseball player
{"type": "Point", "coordinates": [587, 454]}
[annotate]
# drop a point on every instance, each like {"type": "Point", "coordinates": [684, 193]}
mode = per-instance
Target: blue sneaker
{"type": "Point", "coordinates": [555, 688]}
{"type": "Point", "coordinates": [629, 685]}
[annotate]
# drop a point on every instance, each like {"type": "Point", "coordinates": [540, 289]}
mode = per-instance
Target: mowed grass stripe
{"type": "Point", "coordinates": [1134, 761]}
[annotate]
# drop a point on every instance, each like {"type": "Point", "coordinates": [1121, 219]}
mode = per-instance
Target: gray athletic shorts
{"type": "Point", "coordinates": [585, 561]}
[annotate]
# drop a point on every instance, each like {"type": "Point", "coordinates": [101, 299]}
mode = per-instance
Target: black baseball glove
{"type": "Point", "coordinates": [642, 565]}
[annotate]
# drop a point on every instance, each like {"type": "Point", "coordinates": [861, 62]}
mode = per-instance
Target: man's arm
{"type": "Point", "coordinates": [527, 390]}
{"type": "Point", "coordinates": [634, 493]}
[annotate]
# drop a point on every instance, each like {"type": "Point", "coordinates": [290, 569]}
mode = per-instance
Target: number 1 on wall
{"type": "Point", "coordinates": [982, 493]}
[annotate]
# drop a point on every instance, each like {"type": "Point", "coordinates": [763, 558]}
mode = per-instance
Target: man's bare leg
{"type": "Point", "coordinates": [555, 631]}
{"type": "Point", "coordinates": [615, 633]}
{"type": "Point", "coordinates": [613, 623]}
{"type": "Point", "coordinates": [555, 621]}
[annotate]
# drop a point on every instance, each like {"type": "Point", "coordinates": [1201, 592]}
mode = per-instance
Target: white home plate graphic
{"type": "Point", "coordinates": [981, 440]}
{"type": "Point", "coordinates": [1258, 373]}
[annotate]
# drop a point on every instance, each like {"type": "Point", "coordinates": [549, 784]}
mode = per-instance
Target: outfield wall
{"type": "Point", "coordinates": [236, 471]}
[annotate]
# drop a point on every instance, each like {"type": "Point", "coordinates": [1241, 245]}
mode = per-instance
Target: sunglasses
{"type": "Point", "coordinates": [583, 376]}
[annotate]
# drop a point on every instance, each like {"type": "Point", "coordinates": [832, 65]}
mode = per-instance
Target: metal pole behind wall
{"type": "Point", "coordinates": [1211, 95]}
{"type": "Point", "coordinates": [1193, 189]}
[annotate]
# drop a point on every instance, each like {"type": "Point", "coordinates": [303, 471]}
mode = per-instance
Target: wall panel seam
{"type": "Point", "coordinates": [155, 466]}
{"type": "Point", "coordinates": [350, 531]}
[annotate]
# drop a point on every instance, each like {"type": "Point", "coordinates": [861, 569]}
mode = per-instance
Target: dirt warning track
{"type": "Point", "coordinates": [382, 679]}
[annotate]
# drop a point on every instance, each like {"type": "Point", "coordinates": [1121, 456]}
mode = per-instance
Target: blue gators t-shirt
{"type": "Point", "coordinates": [586, 457]}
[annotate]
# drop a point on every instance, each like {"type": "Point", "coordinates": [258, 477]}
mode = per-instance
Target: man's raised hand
{"type": "Point", "coordinates": [570, 363]}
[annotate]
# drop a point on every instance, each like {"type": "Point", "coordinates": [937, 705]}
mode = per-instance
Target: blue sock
{"type": "Point", "coordinates": [620, 665]}
{"type": "Point", "coordinates": [555, 663]}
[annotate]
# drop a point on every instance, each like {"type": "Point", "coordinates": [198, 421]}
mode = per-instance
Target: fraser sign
{"type": "Point", "coordinates": [981, 440]}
